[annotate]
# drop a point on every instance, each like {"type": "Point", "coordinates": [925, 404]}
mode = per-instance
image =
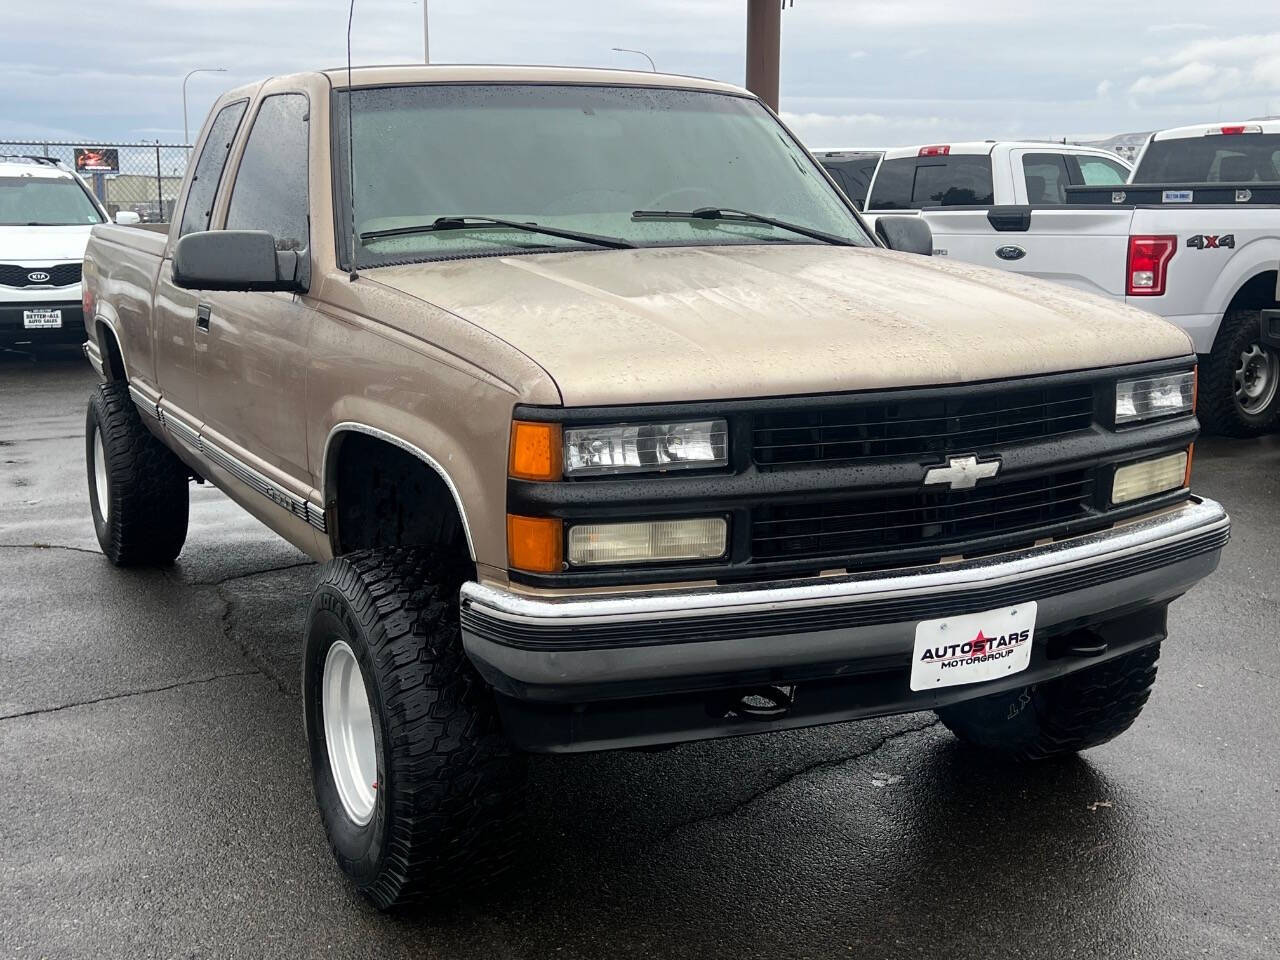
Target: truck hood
{"type": "Point", "coordinates": [704, 323]}
{"type": "Point", "coordinates": [39, 245]}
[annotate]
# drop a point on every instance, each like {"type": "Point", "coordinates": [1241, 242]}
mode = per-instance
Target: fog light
{"type": "Point", "coordinates": [701, 538]}
{"type": "Point", "coordinates": [1134, 481]}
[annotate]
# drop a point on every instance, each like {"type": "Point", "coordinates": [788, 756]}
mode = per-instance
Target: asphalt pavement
{"type": "Point", "coordinates": [155, 800]}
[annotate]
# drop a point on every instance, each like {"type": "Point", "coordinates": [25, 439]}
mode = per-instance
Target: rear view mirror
{"type": "Point", "coordinates": [859, 205]}
{"type": "Point", "coordinates": [237, 260]}
{"type": "Point", "coordinates": [906, 234]}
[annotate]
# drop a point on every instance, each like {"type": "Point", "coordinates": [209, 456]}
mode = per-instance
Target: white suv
{"type": "Point", "coordinates": [46, 213]}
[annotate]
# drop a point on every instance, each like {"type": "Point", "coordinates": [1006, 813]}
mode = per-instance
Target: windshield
{"type": "Point", "coordinates": [580, 158]}
{"type": "Point", "coordinates": [1216, 158]}
{"type": "Point", "coordinates": [45, 201]}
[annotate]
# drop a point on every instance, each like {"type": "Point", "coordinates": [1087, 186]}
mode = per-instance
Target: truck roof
{"type": "Point", "coordinates": [367, 76]}
{"type": "Point", "coordinates": [1270, 125]}
{"type": "Point", "coordinates": [979, 147]}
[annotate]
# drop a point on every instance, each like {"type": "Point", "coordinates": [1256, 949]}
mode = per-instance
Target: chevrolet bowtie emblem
{"type": "Point", "coordinates": [962, 473]}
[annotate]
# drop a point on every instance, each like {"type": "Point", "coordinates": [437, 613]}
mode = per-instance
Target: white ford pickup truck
{"type": "Point", "coordinates": [1194, 237]}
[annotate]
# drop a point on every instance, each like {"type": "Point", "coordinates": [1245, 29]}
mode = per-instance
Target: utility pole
{"type": "Point", "coordinates": [764, 40]}
{"type": "Point", "coordinates": [426, 35]}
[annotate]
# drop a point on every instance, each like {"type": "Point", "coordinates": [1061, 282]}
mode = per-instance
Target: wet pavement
{"type": "Point", "coordinates": [155, 801]}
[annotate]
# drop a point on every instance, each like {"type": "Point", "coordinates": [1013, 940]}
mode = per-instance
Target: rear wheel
{"type": "Point", "coordinates": [1240, 380]}
{"type": "Point", "coordinates": [137, 486]}
{"type": "Point", "coordinates": [1062, 716]}
{"type": "Point", "coordinates": [419, 792]}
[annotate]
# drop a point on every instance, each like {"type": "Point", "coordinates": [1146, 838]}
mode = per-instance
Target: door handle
{"type": "Point", "coordinates": [202, 316]}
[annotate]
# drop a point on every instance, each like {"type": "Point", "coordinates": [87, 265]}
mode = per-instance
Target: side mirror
{"type": "Point", "coordinates": [237, 260]}
{"type": "Point", "coordinates": [907, 234]}
{"type": "Point", "coordinates": [127, 218]}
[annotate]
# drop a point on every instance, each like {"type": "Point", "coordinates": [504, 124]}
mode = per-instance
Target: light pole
{"type": "Point", "coordinates": [640, 52]}
{"type": "Point", "coordinates": [186, 134]}
{"type": "Point", "coordinates": [426, 35]}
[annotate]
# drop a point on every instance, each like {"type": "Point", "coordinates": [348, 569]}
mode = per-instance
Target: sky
{"type": "Point", "coordinates": [854, 72]}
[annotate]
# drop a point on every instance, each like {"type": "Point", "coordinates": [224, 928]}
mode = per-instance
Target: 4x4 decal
{"type": "Point", "coordinates": [1204, 242]}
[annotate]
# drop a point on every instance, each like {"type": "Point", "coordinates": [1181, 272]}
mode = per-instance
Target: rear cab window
{"type": "Point", "coordinates": [852, 173]}
{"type": "Point", "coordinates": [209, 166]}
{"type": "Point", "coordinates": [1212, 158]}
{"type": "Point", "coordinates": [912, 183]}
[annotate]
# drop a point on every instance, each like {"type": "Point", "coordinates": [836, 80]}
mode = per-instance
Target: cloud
{"type": "Point", "coordinates": [857, 54]}
{"type": "Point", "coordinates": [1207, 70]}
{"type": "Point", "coordinates": [1104, 89]}
{"type": "Point", "coordinates": [1177, 27]}
{"type": "Point", "coordinates": [914, 53]}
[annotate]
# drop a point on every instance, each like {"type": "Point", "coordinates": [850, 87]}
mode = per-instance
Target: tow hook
{"type": "Point", "coordinates": [758, 703]}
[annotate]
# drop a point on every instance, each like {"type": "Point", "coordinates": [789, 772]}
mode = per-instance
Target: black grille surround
{"type": "Point", "coordinates": [926, 427]}
{"type": "Point", "coordinates": [853, 497]}
{"type": "Point", "coordinates": [60, 275]}
{"type": "Point", "coordinates": [933, 515]}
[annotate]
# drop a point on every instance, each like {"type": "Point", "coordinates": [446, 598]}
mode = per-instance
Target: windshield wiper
{"type": "Point", "coordinates": [740, 216]}
{"type": "Point", "coordinates": [468, 223]}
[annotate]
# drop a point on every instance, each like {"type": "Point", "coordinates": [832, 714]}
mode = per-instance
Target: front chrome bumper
{"type": "Point", "coordinates": [589, 647]}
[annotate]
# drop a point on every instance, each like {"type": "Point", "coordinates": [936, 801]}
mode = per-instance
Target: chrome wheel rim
{"type": "Point", "coordinates": [348, 732]}
{"type": "Point", "coordinates": [1257, 378]}
{"type": "Point", "coordinates": [100, 473]}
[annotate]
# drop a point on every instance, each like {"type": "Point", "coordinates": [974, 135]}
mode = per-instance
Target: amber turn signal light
{"type": "Point", "coordinates": [536, 451]}
{"type": "Point", "coordinates": [535, 544]}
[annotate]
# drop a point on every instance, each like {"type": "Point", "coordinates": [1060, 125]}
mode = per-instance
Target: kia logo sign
{"type": "Point", "coordinates": [1010, 252]}
{"type": "Point", "coordinates": [38, 276]}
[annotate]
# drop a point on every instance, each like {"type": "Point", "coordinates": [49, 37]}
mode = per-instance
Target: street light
{"type": "Point", "coordinates": [186, 134]}
{"type": "Point", "coordinates": [640, 52]}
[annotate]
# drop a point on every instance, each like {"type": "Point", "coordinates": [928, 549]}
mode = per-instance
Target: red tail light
{"type": "Point", "coordinates": [1236, 129]}
{"type": "Point", "coordinates": [937, 150]}
{"type": "Point", "coordinates": [1148, 264]}
{"type": "Point", "coordinates": [86, 301]}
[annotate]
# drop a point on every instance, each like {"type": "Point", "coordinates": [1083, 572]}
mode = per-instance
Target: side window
{"type": "Point", "coordinates": [208, 170]}
{"type": "Point", "coordinates": [1046, 177]}
{"type": "Point", "coordinates": [270, 191]}
{"type": "Point", "coordinates": [891, 189]}
{"type": "Point", "coordinates": [1099, 172]}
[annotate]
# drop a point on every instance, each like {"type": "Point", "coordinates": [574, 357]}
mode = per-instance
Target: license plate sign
{"type": "Point", "coordinates": [42, 319]}
{"type": "Point", "coordinates": [973, 647]}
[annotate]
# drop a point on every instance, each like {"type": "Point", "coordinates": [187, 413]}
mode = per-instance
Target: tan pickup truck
{"type": "Point", "coordinates": [616, 428]}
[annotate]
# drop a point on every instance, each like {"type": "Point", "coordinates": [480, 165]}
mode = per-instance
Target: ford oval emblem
{"type": "Point", "coordinates": [38, 276]}
{"type": "Point", "coordinates": [1010, 252]}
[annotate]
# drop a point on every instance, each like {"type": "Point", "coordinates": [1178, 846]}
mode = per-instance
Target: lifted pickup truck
{"type": "Point", "coordinates": [638, 439]}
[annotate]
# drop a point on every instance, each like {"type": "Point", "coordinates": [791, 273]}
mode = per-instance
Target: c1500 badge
{"type": "Point", "coordinates": [1206, 242]}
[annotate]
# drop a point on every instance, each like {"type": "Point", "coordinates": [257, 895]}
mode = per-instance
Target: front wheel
{"type": "Point", "coordinates": [1240, 380]}
{"type": "Point", "coordinates": [418, 790]}
{"type": "Point", "coordinates": [1062, 716]}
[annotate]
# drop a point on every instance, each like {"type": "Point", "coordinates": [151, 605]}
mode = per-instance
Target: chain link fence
{"type": "Point", "coordinates": [142, 177]}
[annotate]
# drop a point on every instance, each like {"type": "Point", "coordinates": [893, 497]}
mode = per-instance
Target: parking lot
{"type": "Point", "coordinates": [157, 799]}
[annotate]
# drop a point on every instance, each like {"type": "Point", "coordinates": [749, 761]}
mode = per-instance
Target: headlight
{"type": "Point", "coordinates": [1146, 478]}
{"type": "Point", "coordinates": [698, 538]}
{"type": "Point", "coordinates": [645, 447]}
{"type": "Point", "coordinates": [1167, 395]}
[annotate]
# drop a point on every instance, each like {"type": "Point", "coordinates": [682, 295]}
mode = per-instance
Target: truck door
{"type": "Point", "coordinates": [251, 347]}
{"type": "Point", "coordinates": [173, 314]}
